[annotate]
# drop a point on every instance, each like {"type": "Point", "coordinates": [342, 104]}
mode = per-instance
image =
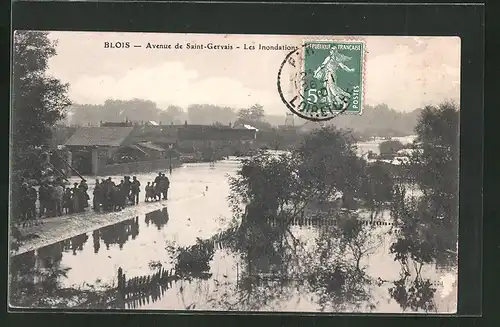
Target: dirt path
{"type": "Point", "coordinates": [57, 229]}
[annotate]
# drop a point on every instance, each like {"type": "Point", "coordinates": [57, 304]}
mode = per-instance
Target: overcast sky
{"type": "Point", "coordinates": [404, 72]}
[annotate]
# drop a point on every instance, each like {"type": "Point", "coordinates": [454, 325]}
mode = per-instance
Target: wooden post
{"type": "Point", "coordinates": [120, 278]}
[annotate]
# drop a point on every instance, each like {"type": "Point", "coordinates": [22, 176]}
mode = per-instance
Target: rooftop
{"type": "Point", "coordinates": [100, 136]}
{"type": "Point", "coordinates": [151, 146]}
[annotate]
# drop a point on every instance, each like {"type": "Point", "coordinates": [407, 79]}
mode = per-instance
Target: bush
{"type": "Point", "coordinates": [194, 261]}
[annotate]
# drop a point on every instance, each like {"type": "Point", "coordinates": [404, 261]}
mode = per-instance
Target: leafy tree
{"type": "Point", "coordinates": [330, 162]}
{"type": "Point", "coordinates": [381, 121]}
{"type": "Point", "coordinates": [283, 185]}
{"type": "Point", "coordinates": [377, 185]}
{"type": "Point", "coordinates": [253, 114]}
{"type": "Point", "coordinates": [175, 112]}
{"type": "Point", "coordinates": [435, 168]}
{"type": "Point", "coordinates": [438, 141]}
{"type": "Point", "coordinates": [265, 183]}
{"type": "Point", "coordinates": [205, 114]}
{"type": "Point", "coordinates": [429, 223]}
{"type": "Point", "coordinates": [39, 100]}
{"type": "Point", "coordinates": [256, 112]}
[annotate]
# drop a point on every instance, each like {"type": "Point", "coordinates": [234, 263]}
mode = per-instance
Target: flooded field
{"type": "Point", "coordinates": [261, 278]}
{"type": "Point", "coordinates": [373, 146]}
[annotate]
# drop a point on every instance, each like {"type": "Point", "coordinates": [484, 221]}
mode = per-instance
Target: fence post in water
{"type": "Point", "coordinates": [121, 288]}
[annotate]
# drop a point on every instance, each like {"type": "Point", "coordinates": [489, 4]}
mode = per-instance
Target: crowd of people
{"type": "Point", "coordinates": [56, 199]}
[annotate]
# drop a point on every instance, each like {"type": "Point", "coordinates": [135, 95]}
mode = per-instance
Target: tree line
{"type": "Point", "coordinates": [379, 120]}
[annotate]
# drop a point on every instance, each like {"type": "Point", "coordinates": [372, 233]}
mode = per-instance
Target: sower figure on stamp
{"type": "Point", "coordinates": [327, 72]}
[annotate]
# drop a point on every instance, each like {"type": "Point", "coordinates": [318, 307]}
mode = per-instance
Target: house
{"type": "Point", "coordinates": [219, 140]}
{"type": "Point", "coordinates": [60, 134]}
{"type": "Point", "coordinates": [163, 135]}
{"type": "Point", "coordinates": [140, 152]}
{"type": "Point", "coordinates": [92, 147]}
{"type": "Point", "coordinates": [117, 124]}
{"type": "Point", "coordinates": [245, 126]}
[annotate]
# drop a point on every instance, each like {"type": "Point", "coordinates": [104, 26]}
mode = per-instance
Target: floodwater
{"type": "Point", "coordinates": [197, 208]}
{"type": "Point", "coordinates": [364, 147]}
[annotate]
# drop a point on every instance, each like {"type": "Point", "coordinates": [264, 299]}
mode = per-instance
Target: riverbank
{"type": "Point", "coordinates": [56, 229]}
{"type": "Point", "coordinates": [195, 190]}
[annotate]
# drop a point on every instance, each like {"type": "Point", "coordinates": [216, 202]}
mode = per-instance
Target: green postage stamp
{"type": "Point", "coordinates": [327, 78]}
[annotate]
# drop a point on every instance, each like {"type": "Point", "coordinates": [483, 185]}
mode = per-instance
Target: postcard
{"type": "Point", "coordinates": [268, 173]}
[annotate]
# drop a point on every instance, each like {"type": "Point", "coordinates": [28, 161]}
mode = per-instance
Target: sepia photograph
{"type": "Point", "coordinates": [232, 172]}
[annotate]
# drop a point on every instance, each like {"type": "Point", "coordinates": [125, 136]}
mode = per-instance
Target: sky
{"type": "Point", "coordinates": [403, 72]}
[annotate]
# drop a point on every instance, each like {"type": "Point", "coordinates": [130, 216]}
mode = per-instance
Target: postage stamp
{"type": "Point", "coordinates": [327, 79]}
{"type": "Point", "coordinates": [219, 172]}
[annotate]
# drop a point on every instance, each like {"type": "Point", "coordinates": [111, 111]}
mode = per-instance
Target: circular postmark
{"type": "Point", "coordinates": [321, 80]}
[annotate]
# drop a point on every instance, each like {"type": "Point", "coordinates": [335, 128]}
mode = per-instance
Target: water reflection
{"type": "Point", "coordinates": [414, 293]}
{"type": "Point", "coordinates": [253, 265]}
{"type": "Point", "coordinates": [158, 217]}
{"type": "Point", "coordinates": [119, 233]}
{"type": "Point", "coordinates": [38, 274]}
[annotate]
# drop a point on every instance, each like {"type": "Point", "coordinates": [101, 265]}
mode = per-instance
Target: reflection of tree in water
{"type": "Point", "coordinates": [336, 274]}
{"type": "Point", "coordinates": [262, 252]}
{"type": "Point", "coordinates": [22, 278]}
{"type": "Point", "coordinates": [276, 266]}
{"type": "Point", "coordinates": [36, 281]}
{"type": "Point", "coordinates": [50, 255]}
{"type": "Point", "coordinates": [36, 275]}
{"type": "Point", "coordinates": [428, 224]}
{"type": "Point", "coordinates": [418, 243]}
{"type": "Point", "coordinates": [118, 233]}
{"type": "Point", "coordinates": [158, 217]}
{"type": "Point", "coordinates": [341, 288]}
{"type": "Point", "coordinates": [414, 293]}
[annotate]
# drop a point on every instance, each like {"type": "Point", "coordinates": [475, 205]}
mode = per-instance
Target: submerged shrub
{"type": "Point", "coordinates": [194, 261]}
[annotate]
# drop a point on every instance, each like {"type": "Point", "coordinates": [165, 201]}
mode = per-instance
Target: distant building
{"type": "Point", "coordinates": [141, 151]}
{"type": "Point", "coordinates": [245, 126]}
{"type": "Point", "coordinates": [164, 136]}
{"type": "Point", "coordinates": [221, 140]}
{"type": "Point", "coordinates": [60, 134]}
{"type": "Point", "coordinates": [92, 147]}
{"type": "Point", "coordinates": [117, 124]}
